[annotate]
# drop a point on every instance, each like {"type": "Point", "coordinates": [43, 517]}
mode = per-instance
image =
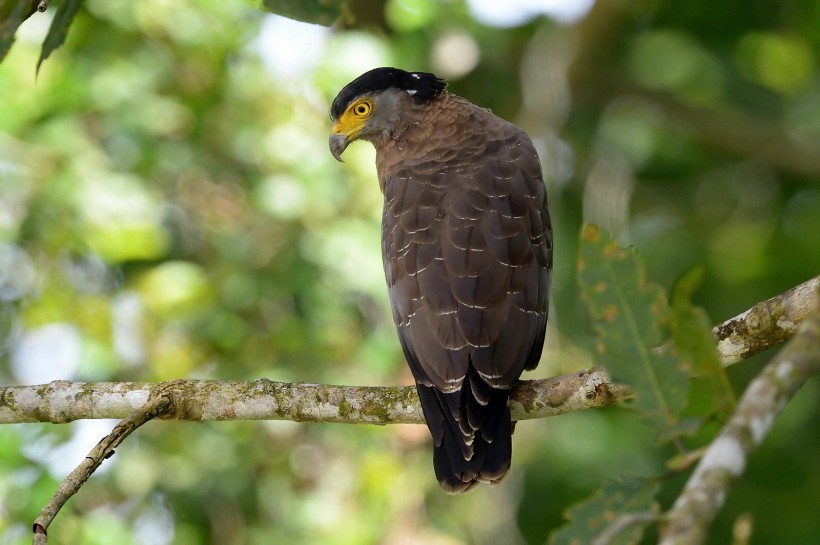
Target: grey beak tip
{"type": "Point", "coordinates": [337, 144]}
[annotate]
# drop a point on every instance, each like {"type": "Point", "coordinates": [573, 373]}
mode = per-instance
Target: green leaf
{"type": "Point", "coordinates": [320, 12]}
{"type": "Point", "coordinates": [628, 315]}
{"type": "Point", "coordinates": [685, 427]}
{"type": "Point", "coordinates": [592, 516]}
{"type": "Point", "coordinates": [693, 339]}
{"type": "Point", "coordinates": [59, 28]}
{"type": "Point", "coordinates": [12, 15]}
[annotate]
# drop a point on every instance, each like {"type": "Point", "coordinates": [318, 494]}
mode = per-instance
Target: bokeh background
{"type": "Point", "coordinates": [169, 209]}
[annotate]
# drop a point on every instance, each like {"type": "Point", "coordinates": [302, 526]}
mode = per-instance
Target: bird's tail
{"type": "Point", "coordinates": [472, 433]}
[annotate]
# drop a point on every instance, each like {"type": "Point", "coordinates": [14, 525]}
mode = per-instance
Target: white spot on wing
{"type": "Point", "coordinates": [489, 377]}
{"type": "Point", "coordinates": [411, 92]}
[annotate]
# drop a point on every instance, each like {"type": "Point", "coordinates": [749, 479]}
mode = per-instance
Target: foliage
{"type": "Point", "coordinates": [169, 209]}
{"type": "Point", "coordinates": [629, 315]}
{"type": "Point", "coordinates": [692, 336]}
{"type": "Point", "coordinates": [615, 498]}
{"type": "Point", "coordinates": [59, 28]}
{"type": "Point", "coordinates": [325, 12]}
{"type": "Point", "coordinates": [12, 14]}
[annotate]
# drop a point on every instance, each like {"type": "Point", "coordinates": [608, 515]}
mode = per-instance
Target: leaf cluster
{"type": "Point", "coordinates": [665, 351]}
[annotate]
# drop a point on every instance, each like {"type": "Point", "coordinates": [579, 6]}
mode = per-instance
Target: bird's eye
{"type": "Point", "coordinates": [362, 109]}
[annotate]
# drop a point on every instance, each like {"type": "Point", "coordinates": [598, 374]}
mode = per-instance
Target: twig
{"type": "Point", "coordinates": [160, 404]}
{"type": "Point", "coordinates": [623, 522]}
{"type": "Point", "coordinates": [688, 521]}
{"type": "Point", "coordinates": [204, 400]}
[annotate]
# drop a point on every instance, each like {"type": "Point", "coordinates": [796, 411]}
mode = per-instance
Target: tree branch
{"type": "Point", "coordinates": [689, 519]}
{"type": "Point", "coordinates": [765, 325]}
{"type": "Point", "coordinates": [208, 400]}
{"type": "Point", "coordinates": [201, 400]}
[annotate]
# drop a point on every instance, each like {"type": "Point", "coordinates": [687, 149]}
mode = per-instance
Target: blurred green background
{"type": "Point", "coordinates": [169, 209]}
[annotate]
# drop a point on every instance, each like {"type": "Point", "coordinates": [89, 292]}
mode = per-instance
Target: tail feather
{"type": "Point", "coordinates": [454, 473]}
{"type": "Point", "coordinates": [483, 405]}
{"type": "Point", "coordinates": [472, 433]}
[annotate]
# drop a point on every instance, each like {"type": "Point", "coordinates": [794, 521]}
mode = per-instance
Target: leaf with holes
{"type": "Point", "coordinates": [621, 508]}
{"type": "Point", "coordinates": [629, 316]}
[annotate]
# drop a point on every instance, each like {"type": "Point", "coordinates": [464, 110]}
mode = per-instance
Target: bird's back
{"type": "Point", "coordinates": [467, 250]}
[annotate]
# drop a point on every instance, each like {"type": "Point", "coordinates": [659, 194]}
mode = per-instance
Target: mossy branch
{"type": "Point", "coordinates": [766, 324]}
{"type": "Point", "coordinates": [62, 401]}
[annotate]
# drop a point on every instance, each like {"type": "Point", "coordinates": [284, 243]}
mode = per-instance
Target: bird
{"type": "Point", "coordinates": [467, 251]}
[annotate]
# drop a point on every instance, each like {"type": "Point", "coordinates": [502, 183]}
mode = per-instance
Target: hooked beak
{"type": "Point", "coordinates": [338, 144]}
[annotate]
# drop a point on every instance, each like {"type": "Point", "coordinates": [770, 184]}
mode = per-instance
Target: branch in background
{"type": "Point", "coordinates": [591, 79]}
{"type": "Point", "coordinates": [733, 132]}
{"type": "Point", "coordinates": [159, 404]}
{"type": "Point", "coordinates": [206, 400]}
{"type": "Point", "coordinates": [766, 324]}
{"type": "Point", "coordinates": [689, 519]}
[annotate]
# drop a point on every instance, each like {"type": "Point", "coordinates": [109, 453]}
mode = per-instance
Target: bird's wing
{"type": "Point", "coordinates": [468, 252]}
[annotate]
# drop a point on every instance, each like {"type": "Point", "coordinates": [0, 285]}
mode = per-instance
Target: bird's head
{"type": "Point", "coordinates": [371, 106]}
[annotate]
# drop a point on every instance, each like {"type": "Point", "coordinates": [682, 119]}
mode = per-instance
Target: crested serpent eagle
{"type": "Point", "coordinates": [467, 248]}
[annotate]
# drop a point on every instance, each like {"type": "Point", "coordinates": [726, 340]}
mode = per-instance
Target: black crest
{"type": "Point", "coordinates": [422, 85]}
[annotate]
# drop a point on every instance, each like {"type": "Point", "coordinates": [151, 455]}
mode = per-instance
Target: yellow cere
{"type": "Point", "coordinates": [352, 121]}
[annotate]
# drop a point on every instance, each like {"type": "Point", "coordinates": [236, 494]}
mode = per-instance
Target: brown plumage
{"type": "Point", "coordinates": [467, 247]}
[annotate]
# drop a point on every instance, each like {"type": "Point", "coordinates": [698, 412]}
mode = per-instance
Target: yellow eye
{"type": "Point", "coordinates": [362, 109]}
